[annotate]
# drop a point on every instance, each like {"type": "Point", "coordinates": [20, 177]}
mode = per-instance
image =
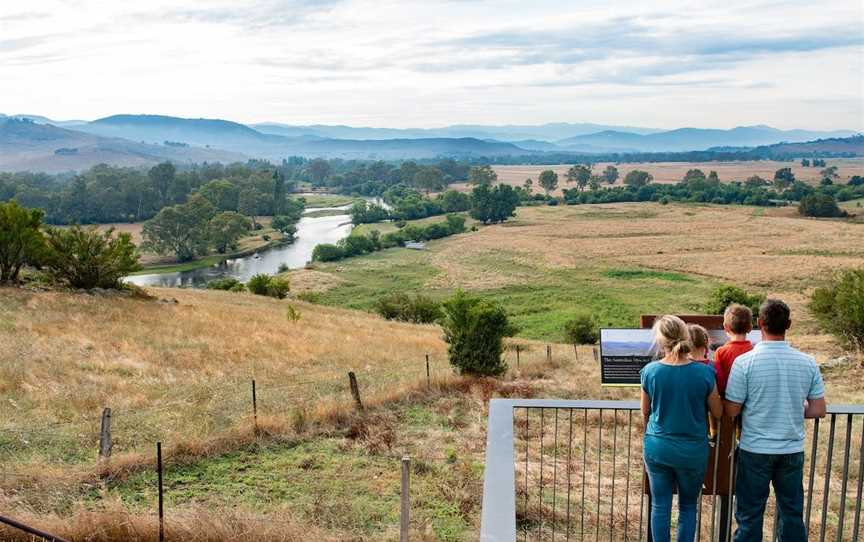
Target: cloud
{"type": "Point", "coordinates": [255, 15]}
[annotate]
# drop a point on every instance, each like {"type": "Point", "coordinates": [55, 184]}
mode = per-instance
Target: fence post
{"type": "Point", "coordinates": [548, 352]}
{"type": "Point", "coordinates": [428, 373]}
{"type": "Point", "coordinates": [159, 476]}
{"type": "Point", "coordinates": [405, 519]}
{"type": "Point", "coordinates": [355, 390]}
{"type": "Point", "coordinates": [254, 406]}
{"type": "Point", "coordinates": [518, 348]}
{"type": "Point", "coordinates": [596, 354]}
{"type": "Point", "coordinates": [105, 443]}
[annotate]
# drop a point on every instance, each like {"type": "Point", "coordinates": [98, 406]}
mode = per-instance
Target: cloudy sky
{"type": "Point", "coordinates": [429, 63]}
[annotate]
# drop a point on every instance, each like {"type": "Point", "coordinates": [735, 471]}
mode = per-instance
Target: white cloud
{"type": "Point", "coordinates": [431, 63]}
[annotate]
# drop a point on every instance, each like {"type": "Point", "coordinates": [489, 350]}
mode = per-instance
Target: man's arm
{"type": "Point", "coordinates": [815, 408]}
{"type": "Point", "coordinates": [732, 408]}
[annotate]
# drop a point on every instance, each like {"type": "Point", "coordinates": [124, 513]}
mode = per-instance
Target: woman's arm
{"type": "Point", "coordinates": [646, 406]}
{"type": "Point", "coordinates": [715, 404]}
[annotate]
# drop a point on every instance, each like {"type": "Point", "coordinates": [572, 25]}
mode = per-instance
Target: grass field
{"type": "Point", "coordinates": [616, 261]}
{"type": "Point", "coordinates": [672, 172]}
{"type": "Point", "coordinates": [178, 369]}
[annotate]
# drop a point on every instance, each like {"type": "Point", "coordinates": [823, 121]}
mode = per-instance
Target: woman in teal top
{"type": "Point", "coordinates": [676, 392]}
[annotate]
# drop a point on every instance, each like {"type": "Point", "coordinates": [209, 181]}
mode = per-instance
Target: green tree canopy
{"type": "Point", "coordinates": [482, 175]}
{"type": "Point", "coordinates": [89, 258]}
{"type": "Point", "coordinates": [21, 239]}
{"type": "Point", "coordinates": [548, 181]}
{"type": "Point", "coordinates": [225, 229]}
{"type": "Point", "coordinates": [474, 330]}
{"type": "Point", "coordinates": [579, 174]}
{"type": "Point", "coordinates": [783, 178]}
{"type": "Point", "coordinates": [181, 229]}
{"type": "Point", "coordinates": [638, 178]}
{"type": "Point", "coordinates": [610, 174]}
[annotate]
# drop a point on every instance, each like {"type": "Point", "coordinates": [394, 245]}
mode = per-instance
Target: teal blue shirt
{"type": "Point", "coordinates": [677, 432]}
{"type": "Point", "coordinates": [771, 382]}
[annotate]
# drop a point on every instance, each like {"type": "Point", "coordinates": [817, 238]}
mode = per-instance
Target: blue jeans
{"type": "Point", "coordinates": [755, 472]}
{"type": "Point", "coordinates": [663, 478]}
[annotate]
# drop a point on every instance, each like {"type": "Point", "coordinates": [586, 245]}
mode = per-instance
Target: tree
{"type": "Point", "coordinates": [222, 194]}
{"type": "Point", "coordinates": [429, 178]}
{"type": "Point", "coordinates": [548, 181]}
{"type": "Point", "coordinates": [181, 229]}
{"type": "Point", "coordinates": [694, 176]}
{"type": "Point", "coordinates": [839, 308]}
{"type": "Point", "coordinates": [88, 258]}
{"type": "Point", "coordinates": [319, 170]}
{"type": "Point", "coordinates": [161, 178]}
{"type": "Point", "coordinates": [226, 229]}
{"type": "Point", "coordinates": [723, 296]}
{"type": "Point", "coordinates": [493, 204]}
{"type": "Point", "coordinates": [249, 203]}
{"type": "Point", "coordinates": [474, 330]}
{"type": "Point", "coordinates": [856, 180]}
{"type": "Point", "coordinates": [595, 182]}
{"type": "Point", "coordinates": [581, 329]}
{"type": "Point", "coordinates": [482, 175]}
{"type": "Point", "coordinates": [783, 178]}
{"type": "Point", "coordinates": [610, 174]}
{"type": "Point", "coordinates": [821, 206]}
{"type": "Point", "coordinates": [286, 225]}
{"type": "Point", "coordinates": [829, 173]}
{"type": "Point", "coordinates": [278, 192]}
{"type": "Point", "coordinates": [579, 174]}
{"type": "Point", "coordinates": [21, 239]}
{"type": "Point", "coordinates": [637, 178]}
{"type": "Point", "coordinates": [455, 202]}
{"type": "Point", "coordinates": [755, 181]}
{"type": "Point", "coordinates": [805, 162]}
{"type": "Point", "coordinates": [528, 185]}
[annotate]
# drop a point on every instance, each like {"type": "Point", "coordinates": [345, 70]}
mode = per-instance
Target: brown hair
{"type": "Point", "coordinates": [698, 336]}
{"type": "Point", "coordinates": [738, 318]}
{"type": "Point", "coordinates": [671, 334]}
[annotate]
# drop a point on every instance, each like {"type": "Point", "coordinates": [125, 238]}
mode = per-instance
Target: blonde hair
{"type": "Point", "coordinates": [698, 336]}
{"type": "Point", "coordinates": [672, 336]}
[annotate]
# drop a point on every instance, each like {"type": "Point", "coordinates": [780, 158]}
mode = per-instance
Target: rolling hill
{"type": "Point", "coordinates": [27, 145]}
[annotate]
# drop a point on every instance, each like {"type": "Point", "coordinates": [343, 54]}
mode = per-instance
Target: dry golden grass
{"type": "Point", "coordinates": [672, 172]}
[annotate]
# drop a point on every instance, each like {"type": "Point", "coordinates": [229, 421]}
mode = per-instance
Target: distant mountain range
{"type": "Point", "coordinates": [39, 143]}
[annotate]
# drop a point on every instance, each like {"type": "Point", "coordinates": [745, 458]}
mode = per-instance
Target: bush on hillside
{"type": "Point", "coordinates": [327, 252]}
{"type": "Point", "coordinates": [89, 258]}
{"type": "Point", "coordinates": [225, 283]}
{"type": "Point", "coordinates": [723, 296]}
{"type": "Point", "coordinates": [839, 308]}
{"type": "Point", "coordinates": [418, 309]}
{"type": "Point", "coordinates": [821, 206]}
{"type": "Point", "coordinates": [581, 329]}
{"type": "Point", "coordinates": [264, 284]}
{"type": "Point", "coordinates": [21, 239]}
{"type": "Point", "coordinates": [474, 330]}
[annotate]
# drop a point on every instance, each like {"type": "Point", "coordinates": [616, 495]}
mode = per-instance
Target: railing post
{"type": "Point", "coordinates": [161, 502]}
{"type": "Point", "coordinates": [405, 515]}
{"type": "Point", "coordinates": [355, 390]}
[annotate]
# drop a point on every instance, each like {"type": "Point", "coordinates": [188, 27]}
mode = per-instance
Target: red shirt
{"type": "Point", "coordinates": [725, 357]}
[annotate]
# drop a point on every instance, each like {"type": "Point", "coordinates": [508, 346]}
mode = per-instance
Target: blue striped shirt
{"type": "Point", "coordinates": [771, 383]}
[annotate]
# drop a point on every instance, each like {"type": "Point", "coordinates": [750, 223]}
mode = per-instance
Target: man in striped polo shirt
{"type": "Point", "coordinates": [774, 387]}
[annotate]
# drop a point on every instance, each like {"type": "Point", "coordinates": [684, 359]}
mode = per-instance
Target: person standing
{"type": "Point", "coordinates": [774, 387]}
{"type": "Point", "coordinates": [675, 393]}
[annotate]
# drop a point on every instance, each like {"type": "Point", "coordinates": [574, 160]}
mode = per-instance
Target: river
{"type": "Point", "coordinates": [311, 231]}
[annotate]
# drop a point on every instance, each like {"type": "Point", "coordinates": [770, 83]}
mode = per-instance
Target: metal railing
{"type": "Point", "coordinates": [572, 470]}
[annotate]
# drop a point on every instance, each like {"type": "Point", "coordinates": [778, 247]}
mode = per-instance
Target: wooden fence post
{"type": "Point", "coordinates": [105, 443]}
{"type": "Point", "coordinates": [596, 354]}
{"type": "Point", "coordinates": [254, 406]}
{"type": "Point", "coordinates": [355, 390]}
{"type": "Point", "coordinates": [405, 515]}
{"type": "Point", "coordinates": [428, 373]}
{"type": "Point", "coordinates": [548, 352]}
{"type": "Point", "coordinates": [518, 348]}
{"type": "Point", "coordinates": [161, 508]}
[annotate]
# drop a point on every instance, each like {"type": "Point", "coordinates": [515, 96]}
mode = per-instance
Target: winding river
{"type": "Point", "coordinates": [311, 231]}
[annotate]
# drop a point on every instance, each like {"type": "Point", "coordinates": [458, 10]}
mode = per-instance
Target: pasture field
{"type": "Point", "coordinates": [617, 261]}
{"type": "Point", "coordinates": [672, 172]}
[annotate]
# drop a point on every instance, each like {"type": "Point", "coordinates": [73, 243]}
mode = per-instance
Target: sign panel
{"type": "Point", "coordinates": [623, 353]}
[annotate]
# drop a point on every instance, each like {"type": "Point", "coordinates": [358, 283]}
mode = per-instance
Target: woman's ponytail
{"type": "Point", "coordinates": [671, 334]}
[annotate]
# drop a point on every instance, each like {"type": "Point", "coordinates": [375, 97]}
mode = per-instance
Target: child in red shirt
{"type": "Point", "coordinates": [737, 322]}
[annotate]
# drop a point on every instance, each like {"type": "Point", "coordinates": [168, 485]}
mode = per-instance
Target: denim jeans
{"type": "Point", "coordinates": [663, 478]}
{"type": "Point", "coordinates": [754, 474]}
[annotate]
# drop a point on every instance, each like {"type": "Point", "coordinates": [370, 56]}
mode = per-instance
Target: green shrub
{"type": "Point", "coordinates": [225, 283]}
{"type": "Point", "coordinates": [474, 329]}
{"type": "Point", "coordinates": [292, 314]}
{"type": "Point", "coordinates": [820, 205]}
{"type": "Point", "coordinates": [418, 309]}
{"type": "Point", "coordinates": [327, 252]}
{"type": "Point", "coordinates": [89, 258]}
{"type": "Point", "coordinates": [21, 239]}
{"type": "Point", "coordinates": [259, 283]}
{"type": "Point", "coordinates": [723, 296]}
{"type": "Point", "coordinates": [278, 287]}
{"type": "Point", "coordinates": [581, 329]}
{"type": "Point", "coordinates": [839, 308]}
{"type": "Point", "coordinates": [283, 268]}
{"type": "Point", "coordinates": [237, 288]}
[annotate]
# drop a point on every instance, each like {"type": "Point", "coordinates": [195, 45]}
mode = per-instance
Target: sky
{"type": "Point", "coordinates": [430, 63]}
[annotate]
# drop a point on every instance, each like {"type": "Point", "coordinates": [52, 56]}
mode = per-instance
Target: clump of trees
{"type": "Point", "coordinates": [839, 308]}
{"type": "Point", "coordinates": [723, 296]}
{"type": "Point", "coordinates": [358, 244]}
{"type": "Point", "coordinates": [474, 329]}
{"type": "Point", "coordinates": [76, 256]}
{"type": "Point", "coordinates": [418, 309]}
{"type": "Point", "coordinates": [493, 204]}
{"type": "Point", "coordinates": [821, 206]}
